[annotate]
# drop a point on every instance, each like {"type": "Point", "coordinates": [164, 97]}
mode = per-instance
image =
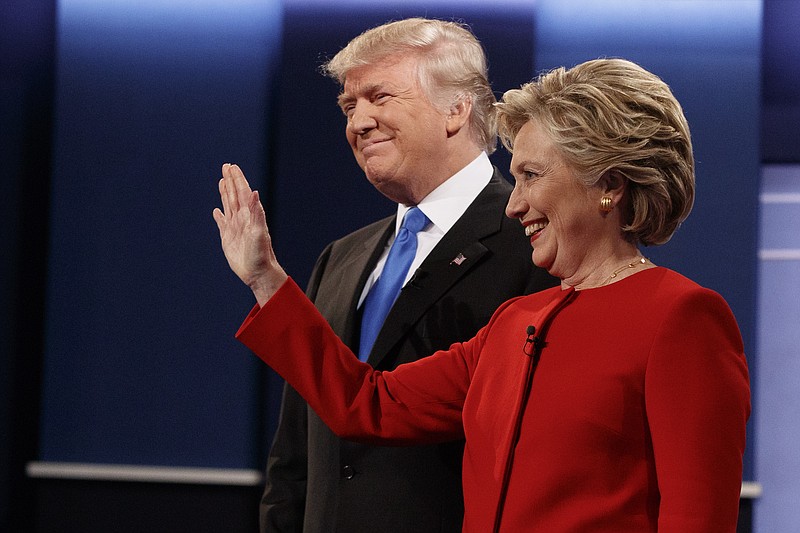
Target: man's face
{"type": "Point", "coordinates": [398, 137]}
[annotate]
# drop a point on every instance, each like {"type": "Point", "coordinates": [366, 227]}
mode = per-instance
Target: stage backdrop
{"type": "Point", "coordinates": [151, 98]}
{"type": "Point", "coordinates": [141, 367]}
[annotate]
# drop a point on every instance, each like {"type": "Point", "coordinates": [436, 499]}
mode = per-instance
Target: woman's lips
{"type": "Point", "coordinates": [533, 230]}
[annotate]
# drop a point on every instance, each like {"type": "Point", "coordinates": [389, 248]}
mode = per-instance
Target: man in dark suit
{"type": "Point", "coordinates": [420, 122]}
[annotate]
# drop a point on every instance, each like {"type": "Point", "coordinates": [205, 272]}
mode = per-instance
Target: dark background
{"type": "Point", "coordinates": [116, 306]}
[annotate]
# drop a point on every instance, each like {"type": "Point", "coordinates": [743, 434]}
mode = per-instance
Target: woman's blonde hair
{"type": "Point", "coordinates": [452, 66]}
{"type": "Point", "coordinates": [611, 115]}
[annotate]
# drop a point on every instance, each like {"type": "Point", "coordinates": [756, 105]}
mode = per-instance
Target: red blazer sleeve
{"type": "Point", "coordinates": [416, 403]}
{"type": "Point", "coordinates": [698, 401]}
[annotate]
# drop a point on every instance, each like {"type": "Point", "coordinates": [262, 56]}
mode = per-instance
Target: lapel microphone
{"type": "Point", "coordinates": [531, 342]}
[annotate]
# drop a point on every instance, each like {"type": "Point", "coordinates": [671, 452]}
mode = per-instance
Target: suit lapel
{"type": "Point", "coordinates": [338, 299]}
{"type": "Point", "coordinates": [459, 251]}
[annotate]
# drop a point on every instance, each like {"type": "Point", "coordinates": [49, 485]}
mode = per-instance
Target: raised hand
{"type": "Point", "coordinates": [245, 237]}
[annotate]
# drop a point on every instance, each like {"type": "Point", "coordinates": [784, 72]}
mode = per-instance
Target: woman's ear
{"type": "Point", "coordinates": [612, 185]}
{"type": "Point", "coordinates": [612, 180]}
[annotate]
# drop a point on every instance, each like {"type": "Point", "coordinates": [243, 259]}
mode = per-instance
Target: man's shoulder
{"type": "Point", "coordinates": [368, 235]}
{"type": "Point", "coordinates": [365, 232]}
{"type": "Point", "coordinates": [498, 189]}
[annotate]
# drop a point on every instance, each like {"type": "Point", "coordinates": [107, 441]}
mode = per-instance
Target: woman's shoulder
{"type": "Point", "coordinates": [671, 284]}
{"type": "Point", "coordinates": [671, 291]}
{"type": "Point", "coordinates": [529, 302]}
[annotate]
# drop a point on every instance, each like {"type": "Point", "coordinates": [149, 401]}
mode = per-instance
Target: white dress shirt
{"type": "Point", "coordinates": [443, 207]}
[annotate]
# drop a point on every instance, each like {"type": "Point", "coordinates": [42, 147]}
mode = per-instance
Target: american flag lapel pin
{"type": "Point", "coordinates": [458, 260]}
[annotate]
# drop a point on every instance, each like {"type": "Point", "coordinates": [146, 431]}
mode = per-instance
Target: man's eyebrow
{"type": "Point", "coordinates": [344, 99]}
{"type": "Point", "coordinates": [368, 90]}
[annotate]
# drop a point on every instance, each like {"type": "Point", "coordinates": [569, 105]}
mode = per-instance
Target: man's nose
{"type": "Point", "coordinates": [362, 118]}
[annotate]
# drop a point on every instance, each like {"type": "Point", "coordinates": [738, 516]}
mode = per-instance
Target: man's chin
{"type": "Point", "coordinates": [393, 190]}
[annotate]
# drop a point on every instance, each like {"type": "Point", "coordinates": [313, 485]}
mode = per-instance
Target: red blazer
{"type": "Point", "coordinates": [628, 415]}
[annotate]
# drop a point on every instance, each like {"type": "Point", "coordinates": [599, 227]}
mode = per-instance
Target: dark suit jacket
{"type": "Point", "coordinates": [317, 482]}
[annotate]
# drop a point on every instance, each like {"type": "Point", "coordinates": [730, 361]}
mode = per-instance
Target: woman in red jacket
{"type": "Point", "coordinates": [614, 403]}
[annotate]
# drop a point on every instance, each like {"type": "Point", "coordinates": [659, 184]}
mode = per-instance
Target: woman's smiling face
{"type": "Point", "coordinates": [560, 214]}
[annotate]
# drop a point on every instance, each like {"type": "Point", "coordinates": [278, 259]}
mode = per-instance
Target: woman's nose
{"type": "Point", "coordinates": [516, 206]}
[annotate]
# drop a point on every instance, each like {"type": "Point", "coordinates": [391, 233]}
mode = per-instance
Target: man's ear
{"type": "Point", "coordinates": [459, 114]}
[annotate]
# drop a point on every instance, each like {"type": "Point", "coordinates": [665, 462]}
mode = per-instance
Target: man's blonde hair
{"type": "Point", "coordinates": [451, 61]}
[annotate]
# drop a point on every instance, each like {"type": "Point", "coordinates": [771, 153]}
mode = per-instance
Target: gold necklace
{"type": "Point", "coordinates": [633, 264]}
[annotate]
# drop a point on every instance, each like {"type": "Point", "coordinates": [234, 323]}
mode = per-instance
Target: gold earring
{"type": "Point", "coordinates": [605, 204]}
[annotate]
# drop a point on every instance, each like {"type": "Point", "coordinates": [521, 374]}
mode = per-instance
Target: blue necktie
{"type": "Point", "coordinates": [385, 291]}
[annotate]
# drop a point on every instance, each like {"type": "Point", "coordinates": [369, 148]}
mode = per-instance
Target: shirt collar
{"type": "Point", "coordinates": [447, 202]}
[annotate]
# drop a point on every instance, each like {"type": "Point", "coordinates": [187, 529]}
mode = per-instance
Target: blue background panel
{"type": "Point", "coordinates": [151, 98]}
{"type": "Point", "coordinates": [777, 460]}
